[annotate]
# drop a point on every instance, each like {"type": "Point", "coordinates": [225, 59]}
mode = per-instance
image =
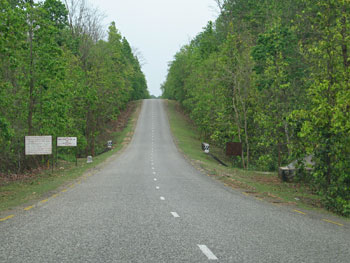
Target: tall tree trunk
{"type": "Point", "coordinates": [245, 127]}
{"type": "Point", "coordinates": [246, 135]}
{"type": "Point", "coordinates": [279, 153]}
{"type": "Point", "coordinates": [88, 132]}
{"type": "Point", "coordinates": [92, 138]}
{"type": "Point", "coordinates": [286, 132]}
{"type": "Point", "coordinates": [344, 43]}
{"type": "Point", "coordinates": [238, 124]}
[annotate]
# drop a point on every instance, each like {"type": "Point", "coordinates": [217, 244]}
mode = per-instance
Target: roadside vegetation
{"type": "Point", "coordinates": [38, 183]}
{"type": "Point", "coordinates": [61, 74]}
{"type": "Point", "coordinates": [274, 75]}
{"type": "Point", "coordinates": [264, 186]}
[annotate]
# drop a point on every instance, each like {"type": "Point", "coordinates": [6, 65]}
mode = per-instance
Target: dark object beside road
{"type": "Point", "coordinates": [233, 149]}
{"type": "Point", "coordinates": [205, 148]}
{"type": "Point", "coordinates": [288, 172]}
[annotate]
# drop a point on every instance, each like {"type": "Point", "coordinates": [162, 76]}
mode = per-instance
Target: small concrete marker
{"type": "Point", "coordinates": [206, 251]}
{"type": "Point", "coordinates": [175, 214]}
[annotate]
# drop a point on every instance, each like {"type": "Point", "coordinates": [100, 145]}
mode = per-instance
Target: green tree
{"type": "Point", "coordinates": [325, 127]}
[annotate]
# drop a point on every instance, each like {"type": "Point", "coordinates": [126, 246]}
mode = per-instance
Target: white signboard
{"type": "Point", "coordinates": [67, 141]}
{"type": "Point", "coordinates": [38, 145]}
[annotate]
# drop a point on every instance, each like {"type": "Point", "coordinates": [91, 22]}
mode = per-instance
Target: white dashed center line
{"type": "Point", "coordinates": [155, 179]}
{"type": "Point", "coordinates": [162, 198]}
{"type": "Point", "coordinates": [175, 214]}
{"type": "Point", "coordinates": [157, 187]}
{"type": "Point", "coordinates": [206, 251]}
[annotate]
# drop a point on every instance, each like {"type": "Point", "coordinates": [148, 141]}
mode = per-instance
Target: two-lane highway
{"type": "Point", "coordinates": [150, 205]}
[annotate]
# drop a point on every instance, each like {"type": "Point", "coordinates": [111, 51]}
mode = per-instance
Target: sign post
{"type": "Point", "coordinates": [233, 149]}
{"type": "Point", "coordinates": [38, 145]}
{"type": "Point", "coordinates": [68, 142]}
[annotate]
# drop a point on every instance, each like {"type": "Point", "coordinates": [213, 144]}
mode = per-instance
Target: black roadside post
{"type": "Point", "coordinates": [53, 163]}
{"type": "Point", "coordinates": [24, 154]}
{"type": "Point", "coordinates": [56, 152]}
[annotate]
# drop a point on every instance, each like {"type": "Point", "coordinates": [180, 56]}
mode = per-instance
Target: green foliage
{"type": "Point", "coordinates": [58, 77]}
{"type": "Point", "coordinates": [274, 75]}
{"type": "Point", "coordinates": [326, 122]}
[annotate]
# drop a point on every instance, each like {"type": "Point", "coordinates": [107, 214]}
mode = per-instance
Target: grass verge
{"type": "Point", "coordinates": [261, 185]}
{"type": "Point", "coordinates": [45, 183]}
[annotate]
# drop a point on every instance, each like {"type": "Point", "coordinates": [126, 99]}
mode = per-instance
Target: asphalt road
{"type": "Point", "coordinates": [150, 205]}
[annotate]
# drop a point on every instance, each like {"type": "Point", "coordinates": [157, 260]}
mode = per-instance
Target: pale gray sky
{"type": "Point", "coordinates": [158, 28]}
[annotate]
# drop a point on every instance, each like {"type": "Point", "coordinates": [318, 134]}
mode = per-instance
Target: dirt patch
{"type": "Point", "coordinates": [237, 184]}
{"type": "Point", "coordinates": [5, 193]}
{"type": "Point", "coordinates": [271, 180]}
{"type": "Point", "coordinates": [119, 124]}
{"type": "Point", "coordinates": [310, 201]}
{"type": "Point", "coordinates": [28, 175]}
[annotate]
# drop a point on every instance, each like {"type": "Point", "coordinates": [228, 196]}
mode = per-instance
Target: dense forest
{"type": "Point", "coordinates": [60, 75]}
{"type": "Point", "coordinates": [274, 75]}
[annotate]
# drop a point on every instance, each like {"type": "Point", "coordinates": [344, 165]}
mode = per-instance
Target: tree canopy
{"type": "Point", "coordinates": [59, 76]}
{"type": "Point", "coordinates": [274, 75]}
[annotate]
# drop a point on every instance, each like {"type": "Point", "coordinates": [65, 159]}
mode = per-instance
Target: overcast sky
{"type": "Point", "coordinates": [158, 28]}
